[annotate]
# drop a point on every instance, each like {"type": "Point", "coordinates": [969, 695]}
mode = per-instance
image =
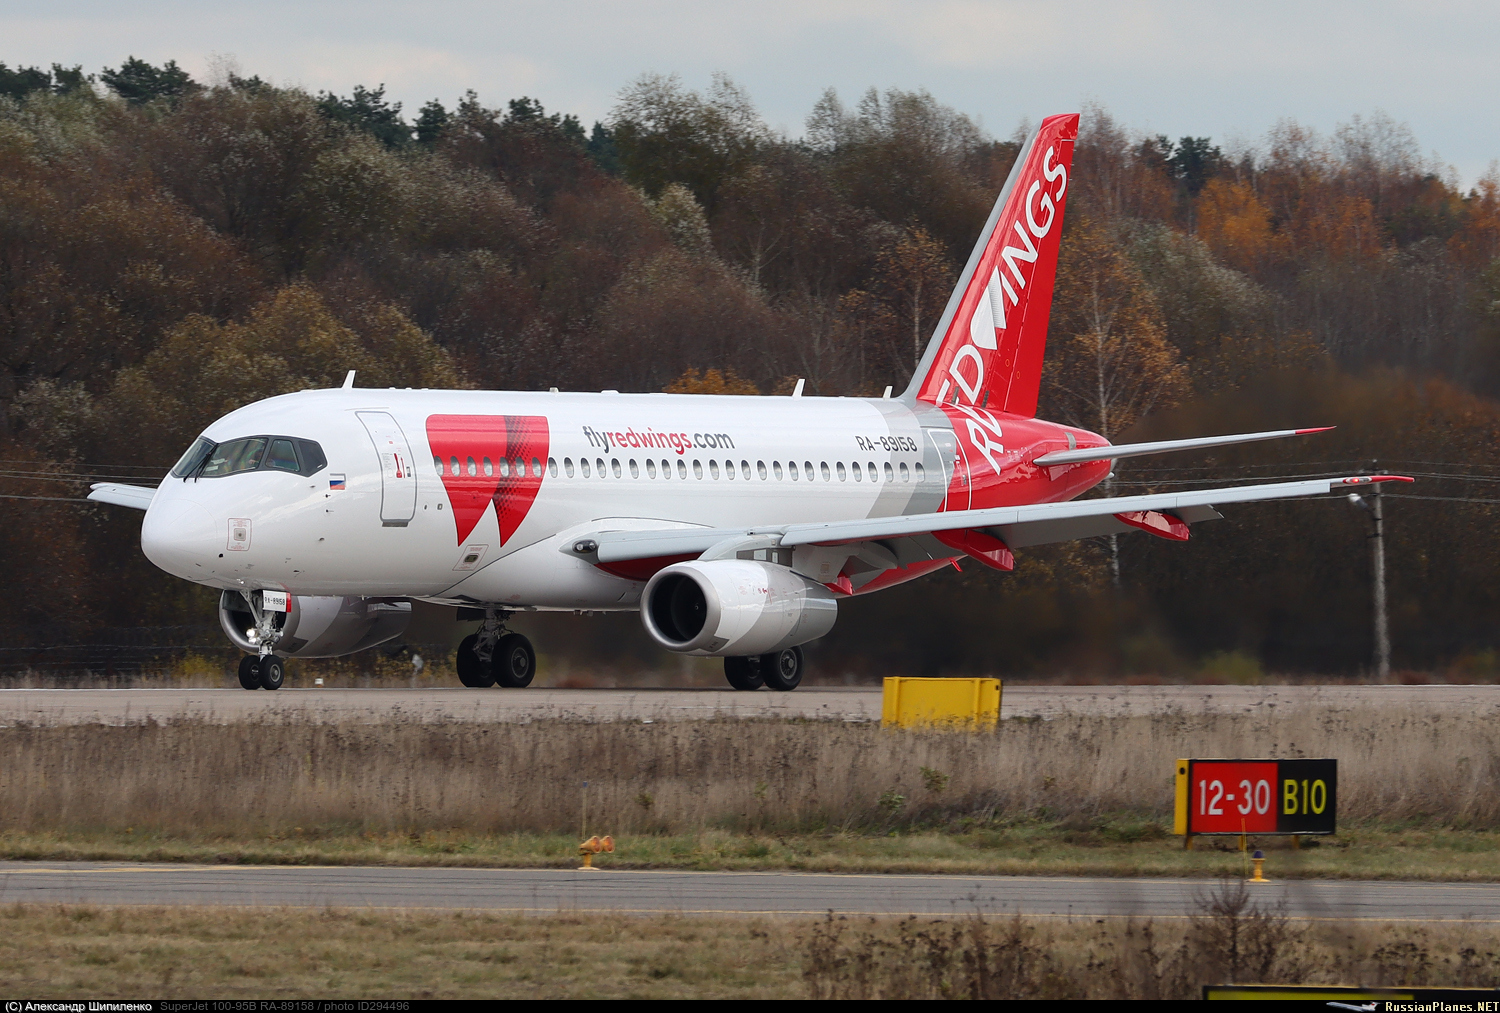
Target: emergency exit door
{"type": "Point", "coordinates": [398, 479]}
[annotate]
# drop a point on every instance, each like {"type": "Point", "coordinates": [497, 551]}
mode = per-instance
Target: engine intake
{"type": "Point", "coordinates": [317, 626]}
{"type": "Point", "coordinates": [734, 607]}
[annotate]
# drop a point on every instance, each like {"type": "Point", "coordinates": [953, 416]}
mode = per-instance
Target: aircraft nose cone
{"type": "Point", "coordinates": [181, 538]}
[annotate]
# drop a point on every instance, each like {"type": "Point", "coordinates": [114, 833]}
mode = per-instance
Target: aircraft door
{"type": "Point", "coordinates": [398, 479]}
{"type": "Point", "coordinates": [944, 458]}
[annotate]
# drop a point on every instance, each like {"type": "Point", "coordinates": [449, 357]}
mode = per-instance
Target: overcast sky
{"type": "Point", "coordinates": [1228, 71]}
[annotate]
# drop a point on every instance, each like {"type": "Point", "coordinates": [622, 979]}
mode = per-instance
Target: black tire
{"type": "Point", "coordinates": [514, 663]}
{"type": "Point", "coordinates": [250, 672]}
{"type": "Point", "coordinates": [782, 670]}
{"type": "Point", "coordinates": [471, 671]}
{"type": "Point", "coordinates": [743, 673]}
{"type": "Point", "coordinates": [272, 672]}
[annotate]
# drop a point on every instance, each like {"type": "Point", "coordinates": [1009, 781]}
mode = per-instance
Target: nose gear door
{"type": "Point", "coordinates": [398, 479]}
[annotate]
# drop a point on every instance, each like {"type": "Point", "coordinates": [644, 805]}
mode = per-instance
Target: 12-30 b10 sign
{"type": "Point", "coordinates": [1256, 796]}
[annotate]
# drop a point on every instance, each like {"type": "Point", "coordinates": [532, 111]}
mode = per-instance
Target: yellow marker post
{"type": "Point", "coordinates": [1259, 860]}
{"type": "Point", "coordinates": [958, 704]}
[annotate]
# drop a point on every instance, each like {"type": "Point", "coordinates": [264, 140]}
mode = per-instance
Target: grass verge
{"type": "Point", "coordinates": [63, 952]}
{"type": "Point", "coordinates": [1358, 853]}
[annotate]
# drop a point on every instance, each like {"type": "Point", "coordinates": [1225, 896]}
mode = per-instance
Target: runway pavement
{"type": "Point", "coordinates": [799, 894]}
{"type": "Point", "coordinates": [853, 704]}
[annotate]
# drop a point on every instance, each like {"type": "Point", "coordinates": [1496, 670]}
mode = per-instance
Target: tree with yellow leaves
{"type": "Point", "coordinates": [1110, 362]}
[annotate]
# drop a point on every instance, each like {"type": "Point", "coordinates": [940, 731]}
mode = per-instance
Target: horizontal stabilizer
{"type": "Point", "coordinates": [134, 496]}
{"type": "Point", "coordinates": [1164, 446]}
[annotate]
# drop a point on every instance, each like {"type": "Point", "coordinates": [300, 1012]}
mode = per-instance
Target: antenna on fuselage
{"type": "Point", "coordinates": [349, 381]}
{"type": "Point", "coordinates": [797, 390]}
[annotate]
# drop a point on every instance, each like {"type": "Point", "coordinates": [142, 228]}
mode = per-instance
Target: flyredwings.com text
{"type": "Point", "coordinates": [651, 439]}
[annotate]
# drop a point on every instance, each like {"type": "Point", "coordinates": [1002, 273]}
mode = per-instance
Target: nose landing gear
{"type": "Point", "coordinates": [493, 657]}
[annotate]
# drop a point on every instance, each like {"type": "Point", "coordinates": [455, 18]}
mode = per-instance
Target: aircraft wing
{"type": "Point", "coordinates": [136, 496]}
{"type": "Point", "coordinates": [1165, 514]}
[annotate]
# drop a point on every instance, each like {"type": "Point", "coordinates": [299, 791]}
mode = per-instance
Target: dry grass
{"type": "Point", "coordinates": [1227, 939]}
{"type": "Point", "coordinates": [74, 952]}
{"type": "Point", "coordinates": [201, 953]}
{"type": "Point", "coordinates": [267, 778]}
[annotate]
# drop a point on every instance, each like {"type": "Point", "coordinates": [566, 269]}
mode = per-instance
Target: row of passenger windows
{"type": "Point", "coordinates": [518, 467]}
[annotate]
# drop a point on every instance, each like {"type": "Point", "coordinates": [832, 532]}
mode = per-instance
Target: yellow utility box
{"type": "Point", "coordinates": [961, 704]}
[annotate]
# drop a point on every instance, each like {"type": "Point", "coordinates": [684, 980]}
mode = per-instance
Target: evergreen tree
{"type": "Point", "coordinates": [138, 82]}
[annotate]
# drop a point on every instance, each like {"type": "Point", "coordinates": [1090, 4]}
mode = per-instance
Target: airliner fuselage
{"type": "Point", "coordinates": [477, 496]}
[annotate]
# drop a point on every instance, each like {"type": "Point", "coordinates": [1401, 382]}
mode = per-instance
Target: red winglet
{"type": "Point", "coordinates": [1157, 523]}
{"type": "Point", "coordinates": [1367, 479]}
{"type": "Point", "coordinates": [1318, 429]}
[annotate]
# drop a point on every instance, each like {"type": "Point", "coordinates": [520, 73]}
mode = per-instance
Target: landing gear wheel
{"type": "Point", "coordinates": [272, 672]}
{"type": "Point", "coordinates": [472, 671]}
{"type": "Point", "coordinates": [783, 669]}
{"type": "Point", "coordinates": [514, 663]}
{"type": "Point", "coordinates": [250, 672]}
{"type": "Point", "coordinates": [744, 673]}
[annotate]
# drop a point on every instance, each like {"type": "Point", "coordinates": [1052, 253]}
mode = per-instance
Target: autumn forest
{"type": "Point", "coordinates": [171, 249]}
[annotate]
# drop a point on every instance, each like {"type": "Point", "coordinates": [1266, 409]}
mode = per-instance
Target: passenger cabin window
{"type": "Point", "coordinates": [698, 470]}
{"type": "Point", "coordinates": [776, 465]}
{"type": "Point", "coordinates": [615, 465]}
{"type": "Point", "coordinates": [713, 469]}
{"type": "Point", "coordinates": [682, 469]}
{"type": "Point", "coordinates": [552, 466]}
{"type": "Point", "coordinates": [584, 464]}
{"type": "Point", "coordinates": [760, 466]}
{"type": "Point", "coordinates": [568, 466]}
{"type": "Point", "coordinates": [890, 476]}
{"type": "Point", "coordinates": [858, 472]}
{"type": "Point", "coordinates": [635, 469]}
{"type": "Point", "coordinates": [921, 474]}
{"type": "Point", "coordinates": [650, 468]}
{"type": "Point", "coordinates": [791, 469]}
{"type": "Point", "coordinates": [827, 475]}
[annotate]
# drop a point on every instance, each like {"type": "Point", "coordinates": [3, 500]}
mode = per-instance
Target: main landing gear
{"type": "Point", "coordinates": [779, 670]}
{"type": "Point", "coordinates": [493, 657]}
{"type": "Point", "coordinates": [267, 672]}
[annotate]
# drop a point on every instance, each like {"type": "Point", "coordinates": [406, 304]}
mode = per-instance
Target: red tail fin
{"type": "Point", "coordinates": [987, 349]}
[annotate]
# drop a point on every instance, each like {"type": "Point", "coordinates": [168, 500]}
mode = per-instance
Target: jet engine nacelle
{"type": "Point", "coordinates": [725, 607]}
{"type": "Point", "coordinates": [318, 626]}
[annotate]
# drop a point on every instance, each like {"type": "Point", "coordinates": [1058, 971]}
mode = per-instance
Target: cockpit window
{"type": "Point", "coordinates": [283, 456]}
{"type": "Point", "coordinates": [195, 456]}
{"type": "Point", "coordinates": [234, 457]}
{"type": "Point", "coordinates": [207, 459]}
{"type": "Point", "coordinates": [313, 460]}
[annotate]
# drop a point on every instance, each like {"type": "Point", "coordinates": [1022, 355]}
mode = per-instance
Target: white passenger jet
{"type": "Point", "coordinates": [734, 525]}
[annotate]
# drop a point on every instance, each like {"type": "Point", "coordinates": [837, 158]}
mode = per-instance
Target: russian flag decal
{"type": "Point", "coordinates": [335, 482]}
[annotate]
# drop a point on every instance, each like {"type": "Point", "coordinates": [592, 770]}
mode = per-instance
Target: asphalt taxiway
{"type": "Point", "coordinates": [772, 893]}
{"type": "Point", "coordinates": [852, 704]}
